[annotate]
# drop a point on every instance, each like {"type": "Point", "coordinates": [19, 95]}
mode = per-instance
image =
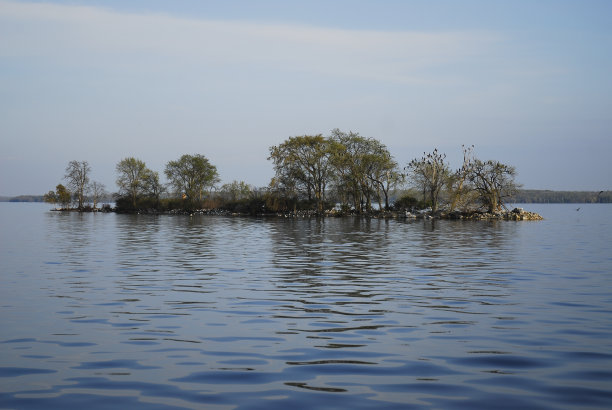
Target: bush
{"type": "Point", "coordinates": [124, 204]}
{"type": "Point", "coordinates": [409, 203]}
{"type": "Point", "coordinates": [251, 206]}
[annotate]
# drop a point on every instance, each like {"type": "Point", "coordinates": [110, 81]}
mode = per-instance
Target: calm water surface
{"type": "Point", "coordinates": [152, 312]}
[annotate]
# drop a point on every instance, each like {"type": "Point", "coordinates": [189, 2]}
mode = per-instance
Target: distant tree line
{"type": "Point", "coordinates": [23, 198]}
{"type": "Point", "coordinates": [564, 197]}
{"type": "Point", "coordinates": [344, 171]}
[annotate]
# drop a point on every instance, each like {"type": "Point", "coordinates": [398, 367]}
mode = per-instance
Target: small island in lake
{"type": "Point", "coordinates": [343, 174]}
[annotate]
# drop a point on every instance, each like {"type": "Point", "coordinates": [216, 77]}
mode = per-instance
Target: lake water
{"type": "Point", "coordinates": [161, 312]}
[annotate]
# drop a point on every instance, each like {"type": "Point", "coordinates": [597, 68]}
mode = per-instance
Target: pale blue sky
{"type": "Point", "coordinates": [527, 82]}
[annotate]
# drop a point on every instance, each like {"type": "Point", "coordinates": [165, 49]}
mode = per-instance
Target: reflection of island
{"type": "Point", "coordinates": [343, 278]}
{"type": "Point", "coordinates": [318, 252]}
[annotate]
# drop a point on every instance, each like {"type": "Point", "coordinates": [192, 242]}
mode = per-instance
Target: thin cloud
{"type": "Point", "coordinates": [77, 35]}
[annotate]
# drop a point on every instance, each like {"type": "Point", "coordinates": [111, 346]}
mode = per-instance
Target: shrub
{"type": "Point", "coordinates": [409, 203]}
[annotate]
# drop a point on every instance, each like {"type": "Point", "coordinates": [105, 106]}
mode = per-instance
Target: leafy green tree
{"type": "Point", "coordinates": [77, 175]}
{"type": "Point", "coordinates": [363, 169]}
{"type": "Point", "coordinates": [280, 196]}
{"type": "Point", "coordinates": [302, 164]}
{"type": "Point", "coordinates": [133, 179]}
{"type": "Point", "coordinates": [429, 174]}
{"type": "Point", "coordinates": [493, 182]}
{"type": "Point", "coordinates": [50, 197]}
{"type": "Point", "coordinates": [60, 196]}
{"type": "Point", "coordinates": [381, 170]}
{"type": "Point", "coordinates": [236, 190]}
{"type": "Point", "coordinates": [190, 175]}
{"type": "Point", "coordinates": [152, 187]}
{"type": "Point", "coordinates": [348, 151]}
{"type": "Point", "coordinates": [407, 202]}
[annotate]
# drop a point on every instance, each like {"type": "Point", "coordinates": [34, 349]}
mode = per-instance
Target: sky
{"type": "Point", "coordinates": [528, 83]}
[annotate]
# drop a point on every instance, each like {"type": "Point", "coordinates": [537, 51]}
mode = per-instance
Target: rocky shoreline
{"type": "Point", "coordinates": [517, 214]}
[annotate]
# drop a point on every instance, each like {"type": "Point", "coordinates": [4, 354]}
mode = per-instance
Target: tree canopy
{"type": "Point", "coordinates": [77, 175]}
{"type": "Point", "coordinates": [363, 168]}
{"type": "Point", "coordinates": [302, 165]}
{"type": "Point", "coordinates": [358, 170]}
{"type": "Point", "coordinates": [191, 175]}
{"type": "Point", "coordinates": [61, 196]}
{"type": "Point", "coordinates": [134, 179]}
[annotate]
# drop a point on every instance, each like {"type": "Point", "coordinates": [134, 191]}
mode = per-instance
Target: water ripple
{"type": "Point", "coordinates": [148, 312]}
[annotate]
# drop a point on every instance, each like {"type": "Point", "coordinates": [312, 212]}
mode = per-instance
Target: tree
{"type": "Point", "coordinates": [60, 196]}
{"type": "Point", "coordinates": [382, 170]}
{"type": "Point", "coordinates": [98, 190]}
{"type": "Point", "coordinates": [190, 175]}
{"type": "Point", "coordinates": [280, 196]}
{"type": "Point", "coordinates": [493, 182]}
{"type": "Point", "coordinates": [236, 190]}
{"type": "Point", "coordinates": [77, 175]}
{"type": "Point", "coordinates": [458, 183]}
{"type": "Point", "coordinates": [355, 160]}
{"type": "Point", "coordinates": [429, 173]}
{"type": "Point", "coordinates": [302, 164]}
{"type": "Point", "coordinates": [364, 166]}
{"type": "Point", "coordinates": [133, 178]}
{"type": "Point", "coordinates": [50, 197]}
{"type": "Point", "coordinates": [152, 187]}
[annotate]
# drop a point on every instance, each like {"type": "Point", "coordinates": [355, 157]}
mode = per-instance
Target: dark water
{"type": "Point", "coordinates": [145, 312]}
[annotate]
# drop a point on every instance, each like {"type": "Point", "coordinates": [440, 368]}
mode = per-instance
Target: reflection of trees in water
{"type": "Point", "coordinates": [424, 263]}
{"type": "Point", "coordinates": [79, 237]}
{"type": "Point", "coordinates": [185, 257]}
{"type": "Point", "coordinates": [337, 256]}
{"type": "Point", "coordinates": [71, 233]}
{"type": "Point", "coordinates": [446, 244]}
{"type": "Point", "coordinates": [137, 239]}
{"type": "Point", "coordinates": [153, 248]}
{"type": "Point", "coordinates": [79, 251]}
{"type": "Point", "coordinates": [455, 263]}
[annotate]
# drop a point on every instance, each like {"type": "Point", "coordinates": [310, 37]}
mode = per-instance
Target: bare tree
{"type": "Point", "coordinates": [97, 190]}
{"type": "Point", "coordinates": [77, 176]}
{"type": "Point", "coordinates": [459, 188]}
{"type": "Point", "coordinates": [429, 174]}
{"type": "Point", "coordinates": [494, 182]}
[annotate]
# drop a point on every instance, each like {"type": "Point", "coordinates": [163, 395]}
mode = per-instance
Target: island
{"type": "Point", "coordinates": [315, 176]}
